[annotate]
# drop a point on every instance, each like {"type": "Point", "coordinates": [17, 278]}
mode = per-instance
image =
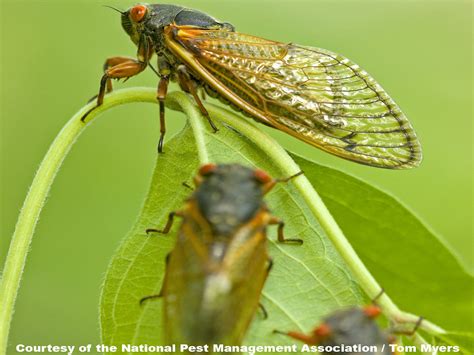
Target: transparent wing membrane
{"type": "Point", "coordinates": [313, 94]}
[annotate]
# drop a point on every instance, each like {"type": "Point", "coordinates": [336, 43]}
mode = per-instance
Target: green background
{"type": "Point", "coordinates": [52, 54]}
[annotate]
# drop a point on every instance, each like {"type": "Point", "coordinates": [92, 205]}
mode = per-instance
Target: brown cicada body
{"type": "Point", "coordinates": [310, 93]}
{"type": "Point", "coordinates": [216, 271]}
{"type": "Point", "coordinates": [351, 328]}
{"type": "Point", "coordinates": [351, 331]}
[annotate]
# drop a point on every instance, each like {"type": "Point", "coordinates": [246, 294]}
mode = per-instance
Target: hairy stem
{"type": "Point", "coordinates": [30, 212]}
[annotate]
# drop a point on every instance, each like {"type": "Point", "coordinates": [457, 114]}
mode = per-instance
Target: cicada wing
{"type": "Point", "coordinates": [313, 94]}
{"type": "Point", "coordinates": [209, 301]}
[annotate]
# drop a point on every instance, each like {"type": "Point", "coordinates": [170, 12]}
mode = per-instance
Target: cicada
{"type": "Point", "coordinates": [355, 328]}
{"type": "Point", "coordinates": [217, 269]}
{"type": "Point", "coordinates": [315, 95]}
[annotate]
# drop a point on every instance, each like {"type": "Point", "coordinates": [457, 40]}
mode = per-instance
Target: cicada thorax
{"type": "Point", "coordinates": [219, 264]}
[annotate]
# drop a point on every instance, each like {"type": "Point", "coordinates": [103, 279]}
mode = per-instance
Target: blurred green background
{"type": "Point", "coordinates": [52, 54]}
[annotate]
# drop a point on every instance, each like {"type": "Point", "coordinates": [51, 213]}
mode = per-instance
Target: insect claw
{"type": "Point", "coordinates": [84, 116]}
{"type": "Point", "coordinates": [185, 184]}
{"type": "Point", "coordinates": [264, 311]}
{"type": "Point", "coordinates": [213, 126]}
{"type": "Point", "coordinates": [148, 231]}
{"type": "Point", "coordinates": [150, 298]}
{"type": "Point", "coordinates": [293, 241]}
{"type": "Point", "coordinates": [160, 144]}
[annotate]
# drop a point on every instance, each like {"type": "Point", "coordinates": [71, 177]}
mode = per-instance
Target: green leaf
{"type": "Point", "coordinates": [407, 259]}
{"type": "Point", "coordinates": [464, 340]}
{"type": "Point", "coordinates": [305, 283]}
{"type": "Point", "coordinates": [137, 267]}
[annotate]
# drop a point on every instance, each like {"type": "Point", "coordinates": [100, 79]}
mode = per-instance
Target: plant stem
{"type": "Point", "coordinates": [29, 214]}
{"type": "Point", "coordinates": [180, 101]}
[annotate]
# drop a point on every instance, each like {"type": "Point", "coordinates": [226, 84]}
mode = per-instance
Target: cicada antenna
{"type": "Point", "coordinates": [114, 8]}
{"type": "Point", "coordinates": [270, 184]}
{"type": "Point", "coordinates": [373, 310]}
{"type": "Point", "coordinates": [375, 299]}
{"type": "Point", "coordinates": [286, 179]}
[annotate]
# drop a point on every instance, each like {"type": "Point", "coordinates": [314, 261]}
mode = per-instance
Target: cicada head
{"type": "Point", "coordinates": [150, 20]}
{"type": "Point", "coordinates": [135, 19]}
{"type": "Point", "coordinates": [229, 195]}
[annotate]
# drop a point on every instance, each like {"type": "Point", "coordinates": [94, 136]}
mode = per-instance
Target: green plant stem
{"type": "Point", "coordinates": [50, 165]}
{"type": "Point", "coordinates": [179, 101]}
{"type": "Point", "coordinates": [29, 215]}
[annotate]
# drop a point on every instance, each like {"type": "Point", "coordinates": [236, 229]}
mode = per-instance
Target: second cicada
{"type": "Point", "coordinates": [217, 269]}
{"type": "Point", "coordinates": [315, 95]}
{"type": "Point", "coordinates": [352, 331]}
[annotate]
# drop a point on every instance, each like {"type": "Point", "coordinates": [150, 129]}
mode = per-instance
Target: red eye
{"type": "Point", "coordinates": [137, 13]}
{"type": "Point", "coordinates": [207, 169]}
{"type": "Point", "coordinates": [372, 311]}
{"type": "Point", "coordinates": [262, 176]}
{"type": "Point", "coordinates": [322, 331]}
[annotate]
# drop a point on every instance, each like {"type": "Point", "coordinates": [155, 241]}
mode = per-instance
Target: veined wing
{"type": "Point", "coordinates": [208, 301]}
{"type": "Point", "coordinates": [313, 94]}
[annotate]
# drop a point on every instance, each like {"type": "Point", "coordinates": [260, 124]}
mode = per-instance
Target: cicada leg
{"type": "Point", "coordinates": [116, 68]}
{"type": "Point", "coordinates": [281, 236]}
{"type": "Point", "coordinates": [151, 297]}
{"type": "Point", "coordinates": [264, 311]}
{"type": "Point", "coordinates": [168, 225]}
{"type": "Point", "coordinates": [271, 184]}
{"type": "Point", "coordinates": [122, 68]}
{"type": "Point", "coordinates": [109, 63]}
{"type": "Point", "coordinates": [186, 185]}
{"type": "Point", "coordinates": [203, 94]}
{"type": "Point", "coordinates": [308, 339]}
{"type": "Point", "coordinates": [112, 62]}
{"type": "Point", "coordinates": [189, 85]}
{"type": "Point", "coordinates": [269, 267]}
{"type": "Point", "coordinates": [408, 332]}
{"type": "Point", "coordinates": [161, 96]}
{"type": "Point", "coordinates": [161, 293]}
{"type": "Point", "coordinates": [260, 305]}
